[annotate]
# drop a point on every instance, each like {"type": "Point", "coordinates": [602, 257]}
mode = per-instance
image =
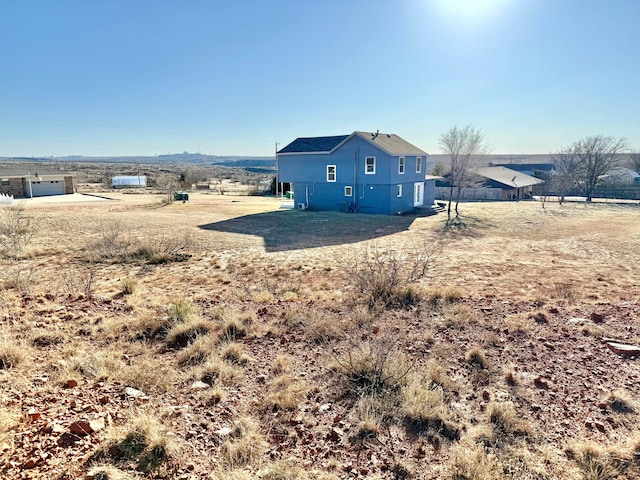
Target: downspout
{"type": "Point", "coordinates": [355, 179]}
{"type": "Point", "coordinates": [306, 188]}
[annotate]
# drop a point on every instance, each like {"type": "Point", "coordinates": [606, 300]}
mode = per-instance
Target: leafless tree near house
{"type": "Point", "coordinates": [634, 162]}
{"type": "Point", "coordinates": [597, 155]}
{"type": "Point", "coordinates": [584, 162]}
{"type": "Point", "coordinates": [565, 165]}
{"type": "Point", "coordinates": [461, 144]}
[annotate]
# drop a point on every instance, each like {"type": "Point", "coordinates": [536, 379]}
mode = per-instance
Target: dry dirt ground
{"type": "Point", "coordinates": [226, 338]}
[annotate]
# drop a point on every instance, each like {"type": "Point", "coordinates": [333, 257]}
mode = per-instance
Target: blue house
{"type": "Point", "coordinates": [362, 172]}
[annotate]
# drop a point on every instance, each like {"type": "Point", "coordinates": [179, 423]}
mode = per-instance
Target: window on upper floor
{"type": "Point", "coordinates": [331, 173]}
{"type": "Point", "coordinates": [418, 164]}
{"type": "Point", "coordinates": [401, 165]}
{"type": "Point", "coordinates": [370, 165]}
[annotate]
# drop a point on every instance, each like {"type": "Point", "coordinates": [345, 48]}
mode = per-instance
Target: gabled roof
{"type": "Point", "coordinates": [389, 143]}
{"type": "Point", "coordinates": [508, 177]}
{"type": "Point", "coordinates": [314, 144]}
{"type": "Point", "coordinates": [526, 167]}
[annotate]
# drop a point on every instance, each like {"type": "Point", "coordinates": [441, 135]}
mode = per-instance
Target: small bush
{"type": "Point", "coordinates": [620, 402]}
{"type": "Point", "coordinates": [373, 367]}
{"type": "Point", "coordinates": [185, 333]}
{"type": "Point", "coordinates": [128, 285]}
{"type": "Point", "coordinates": [234, 353]}
{"type": "Point", "coordinates": [384, 275]}
{"type": "Point", "coordinates": [244, 446]}
{"type": "Point", "coordinates": [179, 311]}
{"type": "Point", "coordinates": [424, 409]}
{"type": "Point", "coordinates": [17, 228]}
{"type": "Point", "coordinates": [596, 463]}
{"type": "Point", "coordinates": [476, 358]}
{"type": "Point", "coordinates": [506, 421]}
{"type": "Point", "coordinates": [143, 441]}
{"type": "Point", "coordinates": [12, 353]}
{"type": "Point", "coordinates": [197, 352]}
{"type": "Point", "coordinates": [474, 464]}
{"type": "Point", "coordinates": [445, 295]}
{"type": "Point", "coordinates": [285, 394]}
{"type": "Point", "coordinates": [284, 470]}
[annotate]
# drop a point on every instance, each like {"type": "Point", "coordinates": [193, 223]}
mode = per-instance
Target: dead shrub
{"type": "Point", "coordinates": [18, 226]}
{"type": "Point", "coordinates": [80, 280]}
{"type": "Point", "coordinates": [197, 352]}
{"type": "Point", "coordinates": [12, 353]}
{"type": "Point", "coordinates": [564, 291]}
{"type": "Point", "coordinates": [619, 401]}
{"type": "Point", "coordinates": [234, 353]}
{"type": "Point", "coordinates": [285, 394]}
{"type": "Point", "coordinates": [474, 464]}
{"type": "Point", "coordinates": [142, 441]}
{"type": "Point", "coordinates": [216, 371]}
{"type": "Point", "coordinates": [180, 310]}
{"type": "Point", "coordinates": [444, 295]}
{"type": "Point", "coordinates": [183, 334]}
{"type": "Point", "coordinates": [424, 409]}
{"type": "Point", "coordinates": [284, 470]}
{"type": "Point", "coordinates": [372, 367]}
{"type": "Point", "coordinates": [597, 463]}
{"type": "Point", "coordinates": [476, 358]}
{"type": "Point", "coordinates": [506, 421]}
{"type": "Point", "coordinates": [458, 315]}
{"type": "Point", "coordinates": [244, 446]}
{"type": "Point", "coordinates": [128, 285]}
{"type": "Point", "coordinates": [384, 275]}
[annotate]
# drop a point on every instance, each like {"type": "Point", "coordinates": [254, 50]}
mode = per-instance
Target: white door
{"type": "Point", "coordinates": [47, 187]}
{"type": "Point", "coordinates": [418, 194]}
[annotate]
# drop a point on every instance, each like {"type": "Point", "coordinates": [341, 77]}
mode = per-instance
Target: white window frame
{"type": "Point", "coordinates": [348, 191]}
{"type": "Point", "coordinates": [335, 174]}
{"type": "Point", "coordinates": [418, 164]}
{"type": "Point", "coordinates": [366, 166]}
{"type": "Point", "coordinates": [399, 190]}
{"type": "Point", "coordinates": [401, 166]}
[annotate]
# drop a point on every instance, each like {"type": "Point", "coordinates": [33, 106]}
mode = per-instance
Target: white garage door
{"type": "Point", "coordinates": [48, 187]}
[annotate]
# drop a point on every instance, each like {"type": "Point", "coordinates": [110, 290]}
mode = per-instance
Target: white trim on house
{"type": "Point", "coordinates": [330, 173]}
{"type": "Point", "coordinates": [366, 165]}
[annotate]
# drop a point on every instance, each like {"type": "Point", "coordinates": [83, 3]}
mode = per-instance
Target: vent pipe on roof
{"type": "Point", "coordinates": [374, 135]}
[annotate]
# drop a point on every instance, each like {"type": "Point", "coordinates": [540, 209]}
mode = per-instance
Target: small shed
{"type": "Point", "coordinates": [129, 181]}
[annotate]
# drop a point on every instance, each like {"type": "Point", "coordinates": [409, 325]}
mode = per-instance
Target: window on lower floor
{"type": "Point", "coordinates": [348, 191]}
{"type": "Point", "coordinates": [331, 173]}
{"type": "Point", "coordinates": [399, 191]}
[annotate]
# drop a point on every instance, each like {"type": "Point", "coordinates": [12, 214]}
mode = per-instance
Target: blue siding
{"type": "Point", "coordinates": [372, 193]}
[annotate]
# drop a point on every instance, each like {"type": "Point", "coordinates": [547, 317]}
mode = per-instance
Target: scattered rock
{"type": "Point", "coordinates": [199, 385]}
{"type": "Point", "coordinates": [33, 414]}
{"type": "Point", "coordinates": [71, 383]}
{"type": "Point", "coordinates": [97, 424]}
{"type": "Point", "coordinates": [29, 464]}
{"type": "Point", "coordinates": [540, 383]}
{"type": "Point", "coordinates": [224, 431]}
{"type": "Point", "coordinates": [324, 407]}
{"type": "Point", "coordinates": [335, 434]}
{"type": "Point", "coordinates": [81, 427]}
{"type": "Point", "coordinates": [134, 393]}
{"type": "Point", "coordinates": [624, 349]}
{"type": "Point", "coordinates": [596, 317]}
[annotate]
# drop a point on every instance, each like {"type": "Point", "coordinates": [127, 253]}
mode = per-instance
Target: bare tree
{"type": "Point", "coordinates": [565, 165]}
{"type": "Point", "coordinates": [634, 162]}
{"type": "Point", "coordinates": [461, 144]}
{"type": "Point", "coordinates": [597, 155]}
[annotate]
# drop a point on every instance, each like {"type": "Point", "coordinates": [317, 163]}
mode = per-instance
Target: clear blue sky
{"type": "Point", "coordinates": [233, 77]}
